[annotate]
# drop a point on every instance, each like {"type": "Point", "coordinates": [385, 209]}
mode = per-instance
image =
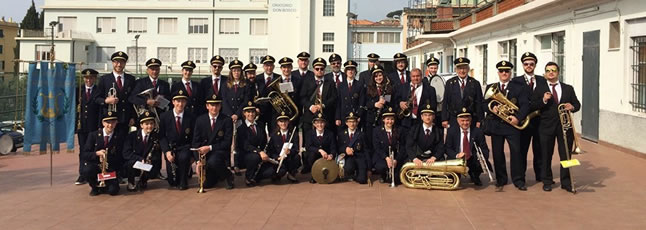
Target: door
{"type": "Point", "coordinates": [590, 107]}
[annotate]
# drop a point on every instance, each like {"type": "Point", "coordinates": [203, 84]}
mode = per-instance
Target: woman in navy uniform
{"type": "Point", "coordinates": [275, 150]}
{"type": "Point", "coordinates": [352, 143]}
{"type": "Point", "coordinates": [424, 143]}
{"type": "Point", "coordinates": [176, 133]}
{"type": "Point", "coordinates": [500, 130]}
{"type": "Point", "coordinates": [103, 142]}
{"type": "Point", "coordinates": [351, 95]}
{"type": "Point", "coordinates": [461, 143]}
{"type": "Point", "coordinates": [379, 96]}
{"type": "Point", "coordinates": [88, 115]}
{"type": "Point", "coordinates": [251, 143]}
{"type": "Point", "coordinates": [386, 137]}
{"type": "Point", "coordinates": [212, 136]}
{"type": "Point", "coordinates": [192, 91]}
{"type": "Point", "coordinates": [236, 92]}
{"type": "Point", "coordinates": [321, 143]}
{"type": "Point", "coordinates": [142, 145]}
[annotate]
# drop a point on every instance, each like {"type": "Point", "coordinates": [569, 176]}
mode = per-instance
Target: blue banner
{"type": "Point", "coordinates": [49, 107]}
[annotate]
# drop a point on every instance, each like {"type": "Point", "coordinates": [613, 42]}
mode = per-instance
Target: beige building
{"type": "Point", "coordinates": [8, 33]}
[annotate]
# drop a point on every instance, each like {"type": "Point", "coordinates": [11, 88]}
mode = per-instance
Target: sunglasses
{"type": "Point", "coordinates": [217, 66]}
{"type": "Point", "coordinates": [319, 69]}
{"type": "Point", "coordinates": [335, 63]}
{"type": "Point", "coordinates": [529, 64]}
{"type": "Point", "coordinates": [504, 71]}
{"type": "Point", "coordinates": [551, 70]}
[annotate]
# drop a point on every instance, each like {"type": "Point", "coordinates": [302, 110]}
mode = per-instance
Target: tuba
{"type": "Point", "coordinates": [441, 175]}
{"type": "Point", "coordinates": [280, 101]}
{"type": "Point", "coordinates": [141, 109]}
{"type": "Point", "coordinates": [506, 108]}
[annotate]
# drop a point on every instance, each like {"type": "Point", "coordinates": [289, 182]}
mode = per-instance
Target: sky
{"type": "Point", "coordinates": [373, 10]}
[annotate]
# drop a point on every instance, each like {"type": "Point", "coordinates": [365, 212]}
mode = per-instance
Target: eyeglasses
{"type": "Point", "coordinates": [551, 70]}
{"type": "Point", "coordinates": [319, 69]}
{"type": "Point", "coordinates": [504, 71]}
{"type": "Point", "coordinates": [529, 64]}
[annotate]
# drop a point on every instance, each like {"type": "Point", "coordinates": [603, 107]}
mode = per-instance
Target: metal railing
{"type": "Point", "coordinates": [12, 98]}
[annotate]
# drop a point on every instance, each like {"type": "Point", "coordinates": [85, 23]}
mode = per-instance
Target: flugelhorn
{"type": "Point", "coordinates": [506, 108]}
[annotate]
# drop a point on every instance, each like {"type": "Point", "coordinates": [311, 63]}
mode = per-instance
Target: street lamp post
{"type": "Point", "coordinates": [51, 51]}
{"type": "Point", "coordinates": [137, 52]}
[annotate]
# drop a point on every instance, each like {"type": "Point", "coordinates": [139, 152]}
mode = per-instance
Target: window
{"type": "Point", "coordinates": [441, 57]}
{"type": "Point", "coordinates": [168, 55]}
{"type": "Point", "coordinates": [546, 42]}
{"type": "Point", "coordinates": [328, 37]}
{"type": "Point", "coordinates": [229, 26]}
{"type": "Point", "coordinates": [42, 52]}
{"type": "Point", "coordinates": [66, 24]}
{"type": "Point", "coordinates": [229, 54]}
{"type": "Point", "coordinates": [507, 51]}
{"type": "Point", "coordinates": [328, 7]}
{"type": "Point", "coordinates": [363, 37]}
{"type": "Point", "coordinates": [450, 66]}
{"type": "Point", "coordinates": [388, 37]}
{"type": "Point", "coordinates": [103, 54]}
{"type": "Point", "coordinates": [463, 52]}
{"type": "Point", "coordinates": [256, 54]}
{"type": "Point", "coordinates": [139, 55]}
{"type": "Point", "coordinates": [558, 52]}
{"type": "Point", "coordinates": [258, 26]}
{"type": "Point", "coordinates": [1, 33]}
{"type": "Point", "coordinates": [1, 65]}
{"type": "Point", "coordinates": [198, 55]}
{"type": "Point", "coordinates": [328, 48]}
{"type": "Point", "coordinates": [137, 25]}
{"type": "Point", "coordinates": [483, 54]}
{"type": "Point", "coordinates": [614, 35]}
{"type": "Point", "coordinates": [106, 25]}
{"type": "Point", "coordinates": [198, 25]}
{"type": "Point", "coordinates": [167, 26]}
{"type": "Point", "coordinates": [639, 74]}
{"type": "Point", "coordinates": [1, 48]}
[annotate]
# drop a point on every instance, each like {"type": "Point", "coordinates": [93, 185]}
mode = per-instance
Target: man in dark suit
{"type": "Point", "coordinates": [336, 75]}
{"type": "Point", "coordinates": [424, 144]}
{"type": "Point", "coordinates": [151, 82]}
{"type": "Point", "coordinates": [262, 82]}
{"type": "Point", "coordinates": [351, 95]}
{"type": "Point", "coordinates": [548, 97]}
{"type": "Point", "coordinates": [418, 93]}
{"type": "Point", "coordinates": [351, 144]}
{"type": "Point", "coordinates": [142, 146]}
{"type": "Point", "coordinates": [252, 145]}
{"type": "Point", "coordinates": [100, 144]}
{"type": "Point", "coordinates": [459, 92]}
{"type": "Point", "coordinates": [213, 85]}
{"type": "Point", "coordinates": [365, 77]}
{"type": "Point", "coordinates": [288, 77]}
{"type": "Point", "coordinates": [124, 84]}
{"type": "Point", "coordinates": [175, 134]}
{"type": "Point", "coordinates": [317, 95]}
{"type": "Point", "coordinates": [531, 132]}
{"type": "Point", "coordinates": [212, 136]}
{"type": "Point", "coordinates": [400, 76]}
{"type": "Point", "coordinates": [321, 143]}
{"type": "Point", "coordinates": [501, 130]}
{"type": "Point", "coordinates": [461, 143]}
{"type": "Point", "coordinates": [193, 93]}
{"type": "Point", "coordinates": [303, 62]}
{"type": "Point", "coordinates": [88, 115]}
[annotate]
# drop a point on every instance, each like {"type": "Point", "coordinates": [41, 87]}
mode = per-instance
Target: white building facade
{"type": "Point", "coordinates": [179, 30]}
{"type": "Point", "coordinates": [600, 46]}
{"type": "Point", "coordinates": [381, 39]}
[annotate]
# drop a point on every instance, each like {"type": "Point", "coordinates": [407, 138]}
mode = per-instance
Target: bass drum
{"type": "Point", "coordinates": [10, 142]}
{"type": "Point", "coordinates": [438, 83]}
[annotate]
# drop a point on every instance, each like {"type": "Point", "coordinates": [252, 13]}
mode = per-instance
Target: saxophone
{"type": "Point", "coordinates": [441, 175]}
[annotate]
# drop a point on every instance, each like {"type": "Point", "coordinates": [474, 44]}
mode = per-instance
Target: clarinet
{"type": "Point", "coordinates": [173, 165]}
{"type": "Point", "coordinates": [270, 160]}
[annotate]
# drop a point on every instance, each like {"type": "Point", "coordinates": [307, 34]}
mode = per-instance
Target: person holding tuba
{"type": "Point", "coordinates": [278, 149]}
{"type": "Point", "coordinates": [191, 89]}
{"type": "Point", "coordinates": [461, 142]}
{"type": "Point", "coordinates": [212, 137]}
{"type": "Point", "coordinates": [510, 94]}
{"type": "Point", "coordinates": [387, 140]}
{"type": "Point", "coordinates": [424, 143]}
{"type": "Point", "coordinates": [549, 96]}
{"type": "Point", "coordinates": [321, 143]}
{"type": "Point", "coordinates": [175, 134]}
{"type": "Point", "coordinates": [286, 77]}
{"type": "Point", "coordinates": [88, 115]}
{"type": "Point", "coordinates": [102, 156]}
{"type": "Point", "coordinates": [252, 142]}
{"type": "Point", "coordinates": [142, 146]}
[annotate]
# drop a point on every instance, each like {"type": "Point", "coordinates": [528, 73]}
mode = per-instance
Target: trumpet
{"type": "Point", "coordinates": [406, 112]}
{"type": "Point", "coordinates": [112, 93]}
{"type": "Point", "coordinates": [506, 108]}
{"type": "Point", "coordinates": [104, 166]}
{"type": "Point", "coordinates": [202, 168]}
{"type": "Point", "coordinates": [391, 171]}
{"type": "Point", "coordinates": [483, 161]}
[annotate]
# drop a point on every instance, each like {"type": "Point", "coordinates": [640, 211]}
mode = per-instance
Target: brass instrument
{"type": "Point", "coordinates": [281, 102]}
{"type": "Point", "coordinates": [565, 116]}
{"type": "Point", "coordinates": [483, 161]}
{"type": "Point", "coordinates": [112, 93]}
{"type": "Point", "coordinates": [391, 170]}
{"type": "Point", "coordinates": [103, 163]}
{"type": "Point", "coordinates": [441, 175]}
{"type": "Point", "coordinates": [406, 112]}
{"type": "Point", "coordinates": [506, 108]}
{"type": "Point", "coordinates": [281, 155]}
{"type": "Point", "coordinates": [141, 109]}
{"type": "Point", "coordinates": [147, 160]}
{"type": "Point", "coordinates": [340, 160]}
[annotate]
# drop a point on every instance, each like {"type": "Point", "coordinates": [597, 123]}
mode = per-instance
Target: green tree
{"type": "Point", "coordinates": [31, 20]}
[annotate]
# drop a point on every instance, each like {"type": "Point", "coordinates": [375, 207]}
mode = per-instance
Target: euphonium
{"type": "Point", "coordinates": [506, 108]}
{"type": "Point", "coordinates": [280, 101]}
{"type": "Point", "coordinates": [441, 175]}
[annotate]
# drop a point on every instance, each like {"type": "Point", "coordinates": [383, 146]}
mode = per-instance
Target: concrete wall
{"type": "Point", "coordinates": [8, 42]}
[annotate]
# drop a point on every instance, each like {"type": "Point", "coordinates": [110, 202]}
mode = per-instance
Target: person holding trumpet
{"type": "Point", "coordinates": [103, 144]}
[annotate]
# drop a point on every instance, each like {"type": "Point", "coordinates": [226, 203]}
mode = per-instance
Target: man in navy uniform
{"type": "Point", "coordinates": [401, 75]}
{"type": "Point", "coordinates": [459, 92]}
{"type": "Point", "coordinates": [124, 84]}
{"type": "Point", "coordinates": [251, 144]}
{"type": "Point", "coordinates": [321, 143]}
{"type": "Point", "coordinates": [530, 134]}
{"type": "Point", "coordinates": [303, 62]}
{"type": "Point", "coordinates": [176, 133]}
{"type": "Point", "coordinates": [262, 82]}
{"type": "Point", "coordinates": [88, 119]}
{"type": "Point", "coordinates": [501, 130]}
{"type": "Point", "coordinates": [213, 85]}
{"type": "Point", "coordinates": [191, 89]}
{"type": "Point", "coordinates": [365, 77]}
{"type": "Point", "coordinates": [336, 75]}
{"type": "Point", "coordinates": [142, 146]}
{"type": "Point", "coordinates": [549, 96]}
{"type": "Point", "coordinates": [432, 65]}
{"type": "Point", "coordinates": [151, 82]}
{"type": "Point", "coordinates": [102, 143]}
{"type": "Point", "coordinates": [424, 143]}
{"type": "Point", "coordinates": [250, 74]}
{"type": "Point", "coordinates": [351, 95]}
{"type": "Point", "coordinates": [351, 144]}
{"type": "Point", "coordinates": [212, 136]}
{"type": "Point", "coordinates": [461, 143]}
{"type": "Point", "coordinates": [418, 93]}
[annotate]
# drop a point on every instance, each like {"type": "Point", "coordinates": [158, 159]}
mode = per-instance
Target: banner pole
{"type": "Point", "coordinates": [51, 165]}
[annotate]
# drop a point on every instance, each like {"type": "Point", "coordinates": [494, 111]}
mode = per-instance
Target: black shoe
{"type": "Point", "coordinates": [182, 187]}
{"type": "Point", "coordinates": [476, 181]}
{"type": "Point", "coordinates": [499, 188]}
{"type": "Point", "coordinates": [568, 189]}
{"type": "Point", "coordinates": [250, 183]}
{"type": "Point", "coordinates": [547, 187]}
{"type": "Point", "coordinates": [229, 182]}
{"type": "Point", "coordinates": [122, 180]}
{"type": "Point", "coordinates": [131, 187]}
{"type": "Point", "coordinates": [161, 177]}
{"type": "Point", "coordinates": [522, 188]}
{"type": "Point", "coordinates": [312, 181]}
{"type": "Point", "coordinates": [80, 180]}
{"type": "Point", "coordinates": [94, 192]}
{"type": "Point", "coordinates": [291, 178]}
{"type": "Point", "coordinates": [236, 171]}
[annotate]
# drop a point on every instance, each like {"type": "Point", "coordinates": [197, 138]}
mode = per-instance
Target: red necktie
{"type": "Point", "coordinates": [284, 136]}
{"type": "Point", "coordinates": [145, 141]}
{"type": "Point", "coordinates": [253, 129]}
{"type": "Point", "coordinates": [403, 80]}
{"type": "Point", "coordinates": [463, 85]}
{"type": "Point", "coordinates": [531, 84]}
{"type": "Point", "coordinates": [178, 125]}
{"type": "Point", "coordinates": [466, 147]}
{"type": "Point", "coordinates": [428, 133]}
{"type": "Point", "coordinates": [302, 74]}
{"type": "Point", "coordinates": [378, 91]}
{"type": "Point", "coordinates": [318, 86]}
{"type": "Point", "coordinates": [268, 81]}
{"type": "Point", "coordinates": [188, 89]}
{"type": "Point", "coordinates": [212, 124]}
{"type": "Point", "coordinates": [105, 141]}
{"type": "Point", "coordinates": [215, 86]}
{"type": "Point", "coordinates": [555, 95]}
{"type": "Point", "coordinates": [350, 87]}
{"type": "Point", "coordinates": [235, 88]}
{"type": "Point", "coordinates": [338, 82]}
{"type": "Point", "coordinates": [351, 135]}
{"type": "Point", "coordinates": [286, 79]}
{"type": "Point", "coordinates": [390, 138]}
{"type": "Point", "coordinates": [87, 93]}
{"type": "Point", "coordinates": [119, 83]}
{"type": "Point", "coordinates": [155, 84]}
{"type": "Point", "coordinates": [320, 138]}
{"type": "Point", "coordinates": [414, 97]}
{"type": "Point", "coordinates": [502, 88]}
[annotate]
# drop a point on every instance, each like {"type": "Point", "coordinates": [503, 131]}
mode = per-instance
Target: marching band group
{"type": "Point", "coordinates": [368, 122]}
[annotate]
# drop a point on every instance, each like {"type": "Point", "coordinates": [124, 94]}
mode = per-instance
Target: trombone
{"type": "Point", "coordinates": [565, 117]}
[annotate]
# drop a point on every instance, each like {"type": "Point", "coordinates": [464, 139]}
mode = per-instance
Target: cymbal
{"type": "Point", "coordinates": [325, 171]}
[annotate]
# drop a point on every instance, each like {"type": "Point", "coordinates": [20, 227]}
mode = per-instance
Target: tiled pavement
{"type": "Point", "coordinates": [611, 196]}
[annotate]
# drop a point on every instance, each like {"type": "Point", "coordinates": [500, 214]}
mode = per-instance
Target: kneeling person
{"type": "Point", "coordinates": [352, 143]}
{"type": "Point", "coordinates": [320, 143]}
{"type": "Point", "coordinates": [385, 138]}
{"type": "Point", "coordinates": [252, 142]}
{"type": "Point", "coordinates": [142, 146]}
{"type": "Point", "coordinates": [424, 142]}
{"type": "Point", "coordinates": [291, 160]}
{"type": "Point", "coordinates": [103, 144]}
{"type": "Point", "coordinates": [176, 133]}
{"type": "Point", "coordinates": [461, 144]}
